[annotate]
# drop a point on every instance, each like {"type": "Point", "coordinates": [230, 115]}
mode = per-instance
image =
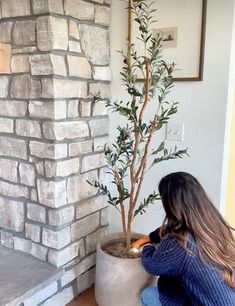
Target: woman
{"type": "Point", "coordinates": [196, 255]}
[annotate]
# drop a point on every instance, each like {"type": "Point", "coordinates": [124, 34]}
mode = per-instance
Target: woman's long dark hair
{"type": "Point", "coordinates": [190, 211]}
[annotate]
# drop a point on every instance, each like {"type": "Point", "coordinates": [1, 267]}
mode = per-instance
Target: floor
{"type": "Point", "coordinates": [87, 298]}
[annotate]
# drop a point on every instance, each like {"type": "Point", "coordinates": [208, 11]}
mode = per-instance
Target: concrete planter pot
{"type": "Point", "coordinates": [119, 281]}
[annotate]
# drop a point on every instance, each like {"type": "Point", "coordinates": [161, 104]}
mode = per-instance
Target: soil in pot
{"type": "Point", "coordinates": [118, 249]}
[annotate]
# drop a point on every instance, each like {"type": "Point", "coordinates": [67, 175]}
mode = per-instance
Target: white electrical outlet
{"type": "Point", "coordinates": [175, 131]}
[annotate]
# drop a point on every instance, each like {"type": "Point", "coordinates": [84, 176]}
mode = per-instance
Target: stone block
{"type": "Point", "coordinates": [51, 194]}
{"type": "Point", "coordinates": [41, 295]}
{"type": "Point", "coordinates": [6, 125]}
{"type": "Point", "coordinates": [61, 298]}
{"type": "Point", "coordinates": [25, 87]}
{"type": "Point", "coordinates": [52, 33]}
{"type": "Point", "coordinates": [20, 63]}
{"type": "Point", "coordinates": [48, 110]}
{"type": "Point", "coordinates": [99, 143]}
{"type": "Point", "coordinates": [28, 128]}
{"type": "Point", "coordinates": [59, 217]}
{"type": "Point", "coordinates": [101, 73]}
{"type": "Point", "coordinates": [85, 280]}
{"type": "Point", "coordinates": [102, 15]}
{"type": "Point", "coordinates": [5, 30]}
{"type": "Point", "coordinates": [59, 258]}
{"type": "Point", "coordinates": [65, 130]}
{"type": "Point", "coordinates": [56, 239]}
{"type": "Point", "coordinates": [24, 33]}
{"type": "Point", "coordinates": [95, 44]}
{"type": "Point", "coordinates": [73, 30]}
{"type": "Point", "coordinates": [100, 109]}
{"type": "Point", "coordinates": [11, 108]}
{"type": "Point", "coordinates": [103, 89]}
{"type": "Point", "coordinates": [104, 217]}
{"type": "Point", "coordinates": [30, 247]}
{"type": "Point", "coordinates": [91, 206]}
{"type": "Point", "coordinates": [47, 150]}
{"type": "Point", "coordinates": [8, 169]}
{"type": "Point", "coordinates": [85, 108]}
{"type": "Point", "coordinates": [14, 8]}
{"type": "Point", "coordinates": [73, 109]}
{"type": "Point", "coordinates": [12, 215]}
{"type": "Point", "coordinates": [36, 212]}
{"type": "Point", "coordinates": [91, 162]}
{"type": "Point", "coordinates": [4, 85]}
{"type": "Point", "coordinates": [75, 46]}
{"type": "Point", "coordinates": [79, 67]}
{"type": "Point", "coordinates": [46, 64]}
{"type": "Point", "coordinates": [80, 9]}
{"type": "Point", "coordinates": [78, 269]}
{"type": "Point", "coordinates": [13, 147]}
{"type": "Point", "coordinates": [32, 232]}
{"type": "Point", "coordinates": [99, 127]}
{"type": "Point", "coordinates": [28, 49]}
{"type": "Point", "coordinates": [48, 6]}
{"type": "Point", "coordinates": [61, 88]}
{"type": "Point", "coordinates": [27, 174]}
{"type": "Point", "coordinates": [78, 189]}
{"type": "Point", "coordinates": [92, 239]}
{"type": "Point", "coordinates": [7, 240]}
{"type": "Point", "coordinates": [15, 191]}
{"type": "Point", "coordinates": [78, 148]}
{"type": "Point", "coordinates": [62, 168]}
{"type": "Point", "coordinates": [85, 226]}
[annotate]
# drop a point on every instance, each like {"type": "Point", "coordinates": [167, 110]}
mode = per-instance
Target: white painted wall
{"type": "Point", "coordinates": [202, 108]}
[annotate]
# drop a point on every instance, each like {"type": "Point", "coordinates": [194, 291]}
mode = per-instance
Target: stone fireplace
{"type": "Point", "coordinates": [52, 132]}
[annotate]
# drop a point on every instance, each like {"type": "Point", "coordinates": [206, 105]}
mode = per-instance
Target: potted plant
{"type": "Point", "coordinates": [119, 281]}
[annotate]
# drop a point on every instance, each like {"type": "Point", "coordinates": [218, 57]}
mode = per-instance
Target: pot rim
{"type": "Point", "coordinates": [115, 236]}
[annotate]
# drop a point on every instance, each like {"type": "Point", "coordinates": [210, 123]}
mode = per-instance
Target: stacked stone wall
{"type": "Point", "coordinates": [52, 132]}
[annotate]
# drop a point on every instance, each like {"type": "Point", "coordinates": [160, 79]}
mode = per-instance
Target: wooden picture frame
{"type": "Point", "coordinates": [187, 20]}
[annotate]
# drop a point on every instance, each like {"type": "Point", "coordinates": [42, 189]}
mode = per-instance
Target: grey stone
{"type": "Point", "coordinates": [20, 63]}
{"type": "Point", "coordinates": [78, 148]}
{"type": "Point", "coordinates": [7, 240]}
{"type": "Point", "coordinates": [13, 8]}
{"type": "Point", "coordinates": [99, 127]}
{"type": "Point", "coordinates": [59, 217]}
{"type": "Point", "coordinates": [102, 73]}
{"type": "Point", "coordinates": [61, 298]}
{"type": "Point", "coordinates": [47, 150]}
{"type": "Point", "coordinates": [48, 6]}
{"type": "Point", "coordinates": [100, 109]}
{"type": "Point", "coordinates": [25, 87]}
{"type": "Point", "coordinates": [103, 89]}
{"type": "Point", "coordinates": [95, 44]}
{"type": "Point", "coordinates": [65, 130]}
{"type": "Point", "coordinates": [8, 169]}
{"type": "Point", "coordinates": [85, 280]}
{"type": "Point", "coordinates": [30, 247]}
{"type": "Point", "coordinates": [13, 108]}
{"type": "Point", "coordinates": [104, 217]}
{"type": "Point", "coordinates": [100, 142]}
{"type": "Point", "coordinates": [102, 15]}
{"type": "Point", "coordinates": [15, 191]}
{"type": "Point", "coordinates": [5, 30]}
{"type": "Point", "coordinates": [28, 128]}
{"type": "Point", "coordinates": [73, 30]}
{"type": "Point", "coordinates": [36, 213]}
{"type": "Point", "coordinates": [32, 232]}
{"type": "Point", "coordinates": [6, 125]}
{"type": "Point", "coordinates": [85, 108]}
{"type": "Point", "coordinates": [75, 46]}
{"type": "Point", "coordinates": [28, 49]}
{"type": "Point", "coordinates": [73, 109]}
{"type": "Point", "coordinates": [78, 189]}
{"type": "Point", "coordinates": [91, 206]}
{"type": "Point", "coordinates": [51, 194]}
{"type": "Point", "coordinates": [33, 195]}
{"type": "Point", "coordinates": [59, 258]}
{"type": "Point", "coordinates": [27, 174]}
{"type": "Point", "coordinates": [24, 33]}
{"type": "Point", "coordinates": [4, 85]}
{"type": "Point", "coordinates": [84, 226]}
{"type": "Point", "coordinates": [56, 239]}
{"type": "Point", "coordinates": [13, 147]}
{"type": "Point", "coordinates": [47, 110]}
{"type": "Point", "coordinates": [92, 239]}
{"type": "Point", "coordinates": [12, 215]}
{"type": "Point", "coordinates": [79, 67]}
{"type": "Point", "coordinates": [46, 64]}
{"type": "Point", "coordinates": [42, 295]}
{"type": "Point", "coordinates": [61, 88]}
{"type": "Point", "coordinates": [80, 9]}
{"type": "Point", "coordinates": [52, 33]}
{"type": "Point", "coordinates": [93, 162]}
{"type": "Point", "coordinates": [62, 168]}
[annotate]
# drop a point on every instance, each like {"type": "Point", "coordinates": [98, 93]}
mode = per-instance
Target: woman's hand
{"type": "Point", "coordinates": [141, 242]}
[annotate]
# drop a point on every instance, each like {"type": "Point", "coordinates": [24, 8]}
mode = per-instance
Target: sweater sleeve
{"type": "Point", "coordinates": [169, 259]}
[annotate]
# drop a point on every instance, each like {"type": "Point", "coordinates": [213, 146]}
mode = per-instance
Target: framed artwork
{"type": "Point", "coordinates": [182, 25]}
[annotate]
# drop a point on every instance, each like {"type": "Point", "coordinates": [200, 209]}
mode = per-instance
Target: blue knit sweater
{"type": "Point", "coordinates": [184, 279]}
